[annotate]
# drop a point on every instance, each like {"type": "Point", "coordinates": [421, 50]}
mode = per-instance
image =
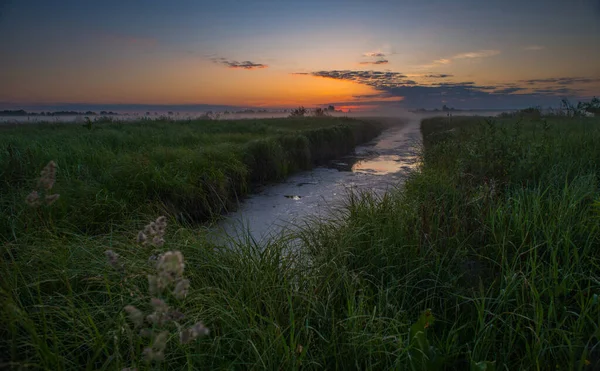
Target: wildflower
{"type": "Point", "coordinates": [159, 305]}
{"type": "Point", "coordinates": [193, 332]}
{"type": "Point", "coordinates": [156, 230]}
{"type": "Point", "coordinates": [135, 315]}
{"type": "Point", "coordinates": [170, 265]}
{"type": "Point", "coordinates": [158, 284]}
{"type": "Point", "coordinates": [160, 314]}
{"type": "Point", "coordinates": [48, 176]}
{"type": "Point", "coordinates": [149, 229]}
{"type": "Point", "coordinates": [45, 183]}
{"type": "Point", "coordinates": [161, 224]}
{"type": "Point", "coordinates": [33, 199]}
{"type": "Point", "coordinates": [157, 351]}
{"type": "Point", "coordinates": [141, 238]}
{"type": "Point", "coordinates": [153, 285]}
{"type": "Point", "coordinates": [181, 289]}
{"type": "Point", "coordinates": [158, 241]}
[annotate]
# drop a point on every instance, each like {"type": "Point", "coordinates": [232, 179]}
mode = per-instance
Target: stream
{"type": "Point", "coordinates": [375, 166]}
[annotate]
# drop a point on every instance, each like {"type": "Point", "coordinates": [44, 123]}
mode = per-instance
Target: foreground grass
{"type": "Point", "coordinates": [496, 238]}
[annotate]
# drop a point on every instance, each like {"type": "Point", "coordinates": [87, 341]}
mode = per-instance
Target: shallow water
{"type": "Point", "coordinates": [376, 166]}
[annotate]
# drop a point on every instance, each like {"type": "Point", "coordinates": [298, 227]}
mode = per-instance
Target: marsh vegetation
{"type": "Point", "coordinates": [487, 258]}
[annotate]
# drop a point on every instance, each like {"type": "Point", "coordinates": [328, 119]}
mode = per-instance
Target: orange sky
{"type": "Point", "coordinates": [249, 55]}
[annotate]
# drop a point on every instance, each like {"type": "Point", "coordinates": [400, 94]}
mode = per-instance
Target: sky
{"type": "Point", "coordinates": [275, 54]}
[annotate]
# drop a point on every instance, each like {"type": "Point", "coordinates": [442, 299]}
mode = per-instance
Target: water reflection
{"type": "Point", "coordinates": [386, 164]}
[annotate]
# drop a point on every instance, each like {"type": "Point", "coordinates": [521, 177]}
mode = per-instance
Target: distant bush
{"type": "Point", "coordinates": [320, 112]}
{"type": "Point", "coordinates": [532, 113]}
{"type": "Point", "coordinates": [592, 107]}
{"type": "Point", "coordinates": [299, 112]}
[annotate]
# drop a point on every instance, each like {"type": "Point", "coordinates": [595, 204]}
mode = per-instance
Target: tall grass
{"type": "Point", "coordinates": [486, 259]}
{"type": "Point", "coordinates": [193, 170]}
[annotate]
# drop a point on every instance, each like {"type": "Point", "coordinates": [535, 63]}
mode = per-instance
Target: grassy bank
{"type": "Point", "coordinates": [195, 170]}
{"type": "Point", "coordinates": [488, 259]}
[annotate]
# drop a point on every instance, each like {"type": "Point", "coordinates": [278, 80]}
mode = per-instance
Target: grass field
{"type": "Point", "coordinates": [194, 170]}
{"type": "Point", "coordinates": [487, 259]}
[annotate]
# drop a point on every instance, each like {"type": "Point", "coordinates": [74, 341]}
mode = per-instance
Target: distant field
{"type": "Point", "coordinates": [194, 170]}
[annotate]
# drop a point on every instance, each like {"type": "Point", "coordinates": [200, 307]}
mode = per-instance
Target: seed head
{"type": "Point", "coordinates": [150, 229]}
{"type": "Point", "coordinates": [48, 176]}
{"type": "Point", "coordinates": [181, 289]}
{"type": "Point", "coordinates": [170, 265]}
{"type": "Point", "coordinates": [33, 199]}
{"type": "Point", "coordinates": [141, 238]}
{"type": "Point", "coordinates": [193, 332]}
{"type": "Point", "coordinates": [154, 285]}
{"type": "Point", "coordinates": [157, 351]}
{"type": "Point", "coordinates": [159, 305]}
{"type": "Point", "coordinates": [158, 241]}
{"type": "Point", "coordinates": [135, 315]}
{"type": "Point", "coordinates": [156, 230]}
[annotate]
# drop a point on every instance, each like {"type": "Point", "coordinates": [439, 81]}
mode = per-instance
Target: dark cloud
{"type": "Point", "coordinates": [561, 80]}
{"type": "Point", "coordinates": [508, 90]}
{"type": "Point", "coordinates": [376, 79]}
{"type": "Point", "coordinates": [455, 83]}
{"type": "Point", "coordinates": [300, 73]}
{"type": "Point", "coordinates": [555, 91]}
{"type": "Point", "coordinates": [380, 61]}
{"type": "Point", "coordinates": [247, 65]}
{"type": "Point", "coordinates": [373, 96]}
{"type": "Point", "coordinates": [375, 54]}
{"type": "Point", "coordinates": [438, 76]}
{"type": "Point", "coordinates": [466, 94]}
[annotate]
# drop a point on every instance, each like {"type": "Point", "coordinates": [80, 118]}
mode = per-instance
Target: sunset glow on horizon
{"type": "Point", "coordinates": [409, 54]}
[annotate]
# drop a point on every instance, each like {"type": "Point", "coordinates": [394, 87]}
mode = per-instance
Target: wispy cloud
{"type": "Point", "coordinates": [438, 76]}
{"type": "Point", "coordinates": [247, 65]}
{"type": "Point", "coordinates": [374, 54]}
{"type": "Point", "coordinates": [379, 61]}
{"type": "Point", "coordinates": [442, 61]}
{"type": "Point", "coordinates": [561, 80]}
{"type": "Point", "coordinates": [534, 48]}
{"type": "Point", "coordinates": [486, 53]}
{"type": "Point", "coordinates": [477, 54]}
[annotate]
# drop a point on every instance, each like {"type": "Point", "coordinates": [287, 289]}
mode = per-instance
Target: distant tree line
{"type": "Point", "coordinates": [54, 113]}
